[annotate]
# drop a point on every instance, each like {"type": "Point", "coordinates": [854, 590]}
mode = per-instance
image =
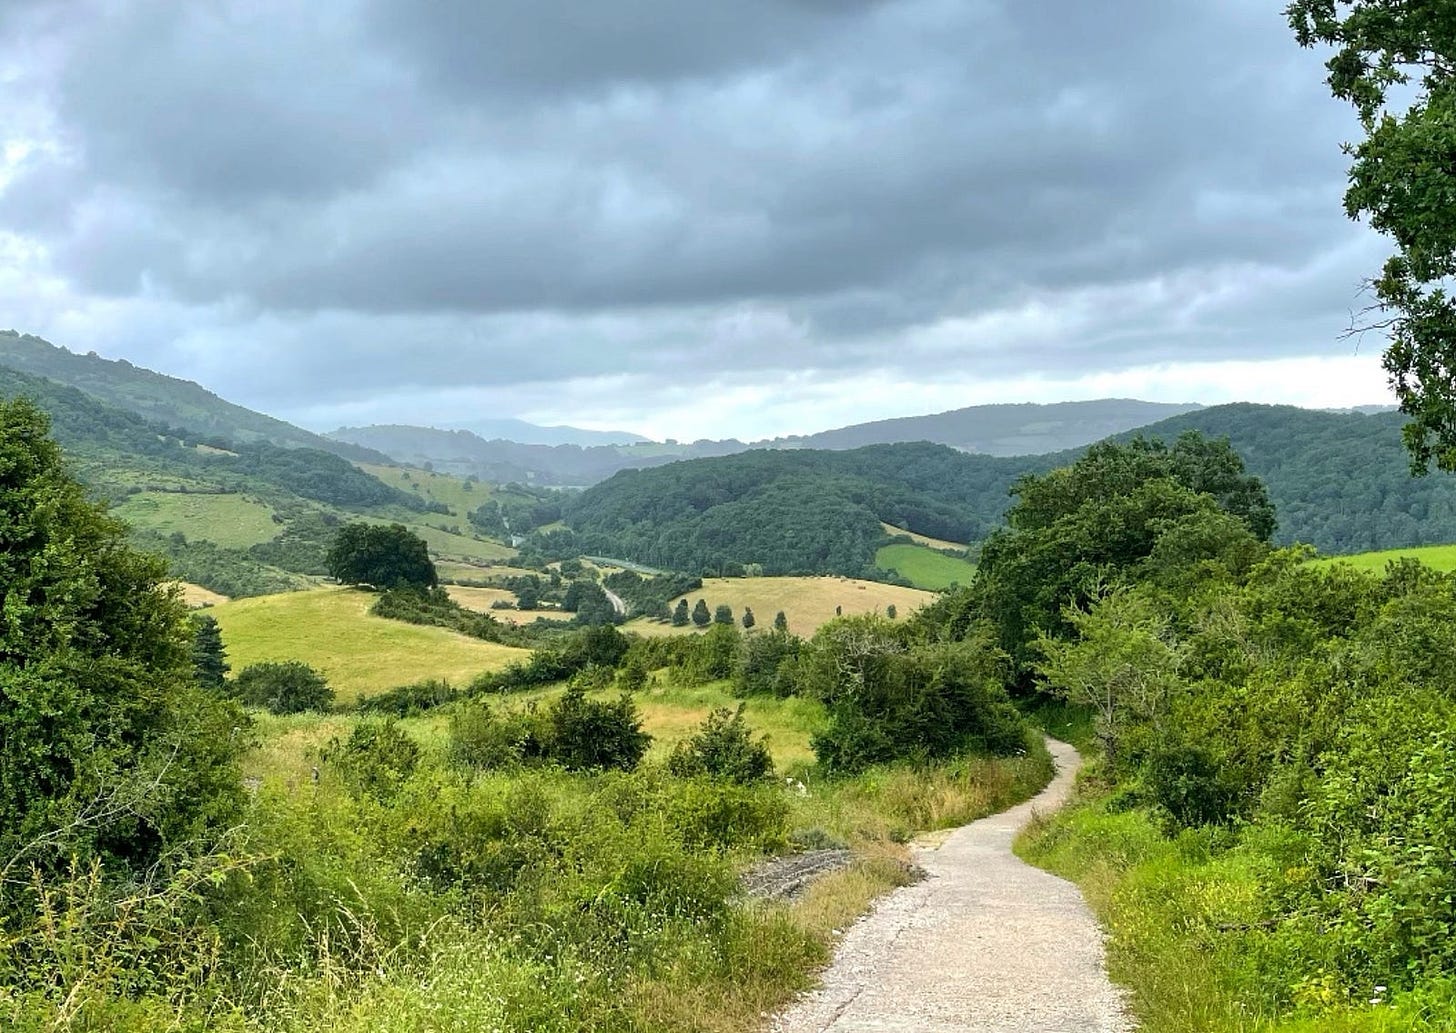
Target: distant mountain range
{"type": "Point", "coordinates": [524, 433]}
{"type": "Point", "coordinates": [993, 430]}
{"type": "Point", "coordinates": [177, 457]}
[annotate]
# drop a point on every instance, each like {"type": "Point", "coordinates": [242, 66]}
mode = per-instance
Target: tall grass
{"type": "Point", "coordinates": [1188, 936]}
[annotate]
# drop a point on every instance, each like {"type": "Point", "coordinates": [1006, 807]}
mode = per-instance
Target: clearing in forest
{"type": "Point", "coordinates": [230, 520]}
{"type": "Point", "coordinates": [924, 567]}
{"type": "Point", "coordinates": [1438, 557]}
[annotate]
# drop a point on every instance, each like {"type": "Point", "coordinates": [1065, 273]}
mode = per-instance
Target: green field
{"type": "Point", "coordinates": [1440, 557]}
{"type": "Point", "coordinates": [331, 630]}
{"type": "Point", "coordinates": [232, 521]}
{"type": "Point", "coordinates": [924, 567]}
{"type": "Point", "coordinates": [456, 492]}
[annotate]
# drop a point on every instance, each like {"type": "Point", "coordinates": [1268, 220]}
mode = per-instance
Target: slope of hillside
{"type": "Point", "coordinates": [794, 511]}
{"type": "Point", "coordinates": [247, 519]}
{"type": "Point", "coordinates": [466, 454]}
{"type": "Point", "coordinates": [1004, 430]}
{"type": "Point", "coordinates": [1339, 481]}
{"type": "Point", "coordinates": [159, 398]}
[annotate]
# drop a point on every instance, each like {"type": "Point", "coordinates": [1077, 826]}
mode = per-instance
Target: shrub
{"type": "Point", "coordinates": [291, 687]}
{"type": "Point", "coordinates": [410, 700]}
{"type": "Point", "coordinates": [723, 748]}
{"type": "Point", "coordinates": [480, 738]}
{"type": "Point", "coordinates": [586, 734]}
{"type": "Point", "coordinates": [376, 758]}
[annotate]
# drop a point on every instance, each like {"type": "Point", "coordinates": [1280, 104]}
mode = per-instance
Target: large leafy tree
{"type": "Point", "coordinates": [107, 745]}
{"type": "Point", "coordinates": [1120, 511]}
{"type": "Point", "coordinates": [381, 556]}
{"type": "Point", "coordinates": [1395, 61]}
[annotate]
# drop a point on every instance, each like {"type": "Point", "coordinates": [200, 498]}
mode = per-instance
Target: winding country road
{"type": "Point", "coordinates": [986, 943]}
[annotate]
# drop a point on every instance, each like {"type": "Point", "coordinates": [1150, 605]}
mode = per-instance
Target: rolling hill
{"type": "Point", "coordinates": [161, 399]}
{"type": "Point", "coordinates": [1339, 481]}
{"type": "Point", "coordinates": [240, 519]}
{"type": "Point", "coordinates": [997, 430]}
{"type": "Point", "coordinates": [1003, 430]}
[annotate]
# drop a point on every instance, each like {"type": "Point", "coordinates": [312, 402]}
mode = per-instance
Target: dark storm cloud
{"type": "Point", "coordinates": [557, 186]}
{"type": "Point", "coordinates": [564, 46]}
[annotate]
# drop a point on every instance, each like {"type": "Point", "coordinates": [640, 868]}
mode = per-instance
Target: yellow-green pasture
{"type": "Point", "coordinates": [232, 521]}
{"type": "Point", "coordinates": [331, 630]}
{"type": "Point", "coordinates": [807, 602]}
{"type": "Point", "coordinates": [924, 567]}
{"type": "Point", "coordinates": [1438, 557]}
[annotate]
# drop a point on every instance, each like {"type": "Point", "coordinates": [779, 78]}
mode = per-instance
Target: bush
{"type": "Point", "coordinates": [587, 735]}
{"type": "Point", "coordinates": [479, 738]}
{"type": "Point", "coordinates": [723, 748]}
{"type": "Point", "coordinates": [409, 700]}
{"type": "Point", "coordinates": [291, 687]}
{"type": "Point", "coordinates": [376, 758]}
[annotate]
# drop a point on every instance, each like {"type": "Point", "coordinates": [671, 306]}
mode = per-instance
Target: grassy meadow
{"type": "Point", "coordinates": [1437, 557]}
{"type": "Point", "coordinates": [924, 567]}
{"type": "Point", "coordinates": [807, 602]}
{"type": "Point", "coordinates": [232, 521]}
{"type": "Point", "coordinates": [331, 630]}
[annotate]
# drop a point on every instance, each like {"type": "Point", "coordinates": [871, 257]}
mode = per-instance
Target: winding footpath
{"type": "Point", "coordinates": [986, 943]}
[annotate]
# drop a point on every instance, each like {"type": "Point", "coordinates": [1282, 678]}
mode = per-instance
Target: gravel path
{"type": "Point", "coordinates": [986, 943]}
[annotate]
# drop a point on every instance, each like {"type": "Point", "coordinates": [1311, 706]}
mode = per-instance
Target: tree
{"type": "Point", "coordinates": [891, 612]}
{"type": "Point", "coordinates": [781, 622]}
{"type": "Point", "coordinates": [209, 657]}
{"type": "Point", "coordinates": [701, 617]}
{"type": "Point", "coordinates": [723, 747]}
{"type": "Point", "coordinates": [381, 556]}
{"type": "Point", "coordinates": [290, 687]}
{"type": "Point", "coordinates": [108, 748]}
{"type": "Point", "coordinates": [680, 617]}
{"type": "Point", "coordinates": [1402, 176]}
{"type": "Point", "coordinates": [748, 618]}
{"type": "Point", "coordinates": [587, 735]}
{"type": "Point", "coordinates": [723, 614]}
{"type": "Point", "coordinates": [1122, 665]}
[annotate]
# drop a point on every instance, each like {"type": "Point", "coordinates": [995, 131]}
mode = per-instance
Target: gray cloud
{"type": "Point", "coordinates": [405, 195]}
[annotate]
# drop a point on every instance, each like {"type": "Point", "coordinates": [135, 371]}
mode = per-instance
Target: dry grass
{"type": "Point", "coordinates": [921, 539]}
{"type": "Point", "coordinates": [480, 600]}
{"type": "Point", "coordinates": [331, 630]}
{"type": "Point", "coordinates": [807, 602]}
{"type": "Point", "coordinates": [197, 597]}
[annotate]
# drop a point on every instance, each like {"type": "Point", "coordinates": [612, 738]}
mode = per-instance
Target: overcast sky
{"type": "Point", "coordinates": [682, 217]}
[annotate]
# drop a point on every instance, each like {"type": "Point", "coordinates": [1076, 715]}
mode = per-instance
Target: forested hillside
{"type": "Point", "coordinates": [160, 398]}
{"type": "Point", "coordinates": [793, 511]}
{"type": "Point", "coordinates": [241, 519]}
{"type": "Point", "coordinates": [1338, 481]}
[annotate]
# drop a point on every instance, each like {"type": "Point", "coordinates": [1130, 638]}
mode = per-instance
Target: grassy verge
{"type": "Point", "coordinates": [1188, 936]}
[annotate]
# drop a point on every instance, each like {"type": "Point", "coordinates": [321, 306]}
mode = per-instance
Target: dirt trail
{"type": "Point", "coordinates": [986, 943]}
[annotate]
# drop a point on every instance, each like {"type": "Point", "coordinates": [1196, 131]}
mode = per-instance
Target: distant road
{"type": "Point", "coordinates": [616, 601]}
